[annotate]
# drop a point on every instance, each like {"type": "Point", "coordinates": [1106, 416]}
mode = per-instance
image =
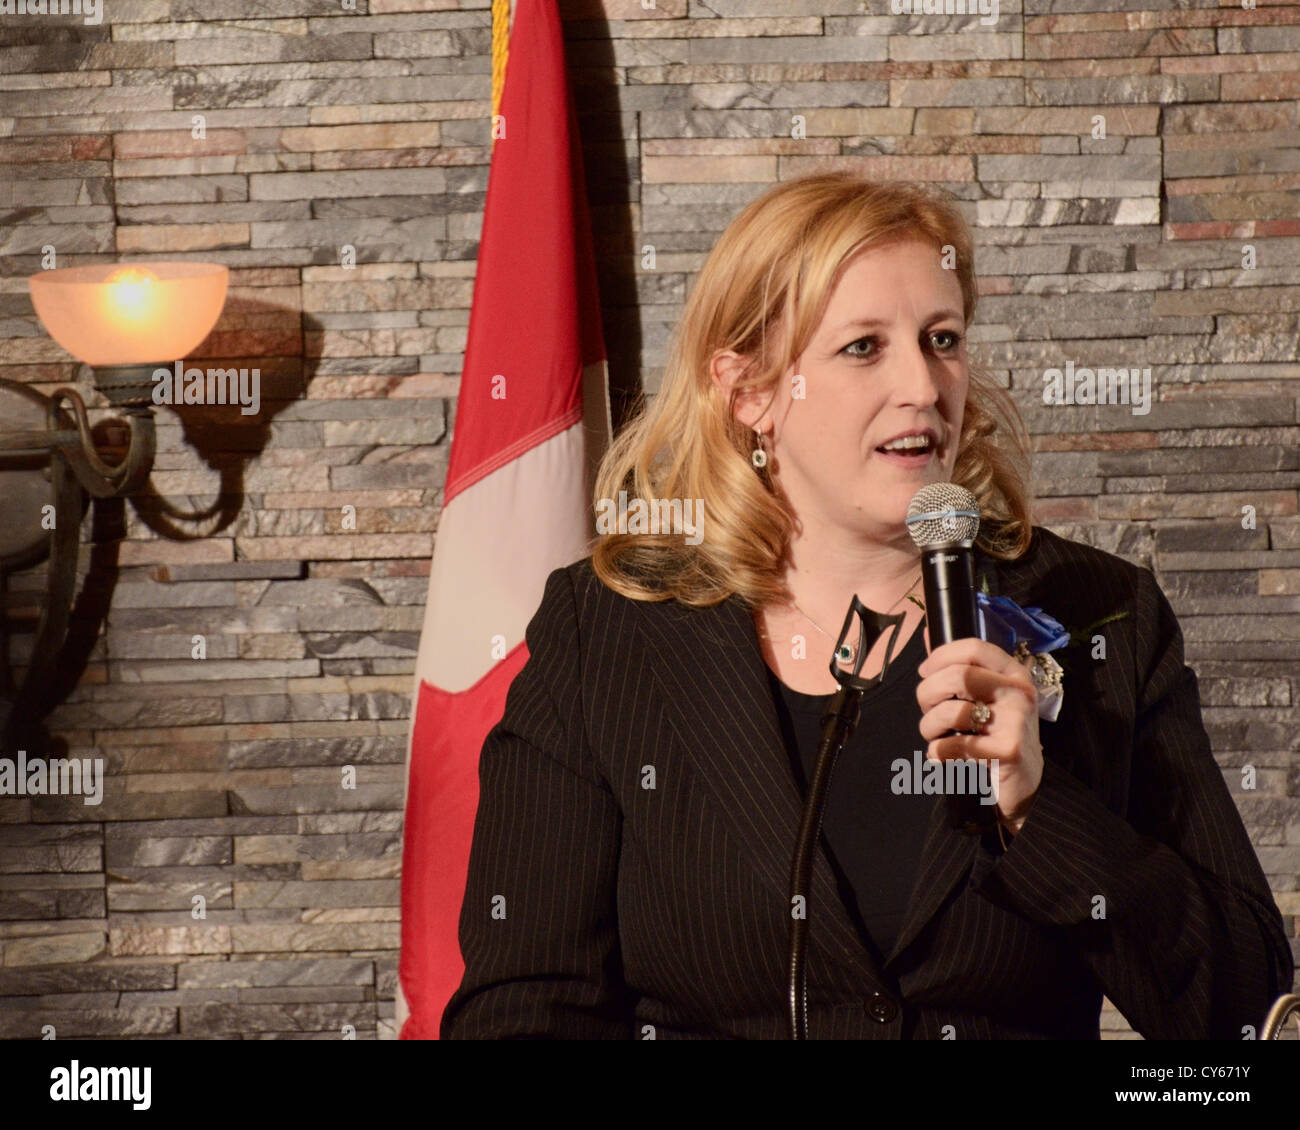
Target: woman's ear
{"type": "Point", "coordinates": [726, 368]}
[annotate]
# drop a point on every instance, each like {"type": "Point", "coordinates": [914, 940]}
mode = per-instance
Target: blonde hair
{"type": "Point", "coordinates": [776, 265]}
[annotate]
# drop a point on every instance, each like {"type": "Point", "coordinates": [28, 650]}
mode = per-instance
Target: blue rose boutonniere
{"type": "Point", "coordinates": [1028, 634]}
{"type": "Point", "coordinates": [1005, 623]}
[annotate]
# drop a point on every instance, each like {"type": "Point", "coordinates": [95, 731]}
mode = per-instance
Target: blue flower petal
{"type": "Point", "coordinates": [1005, 623]}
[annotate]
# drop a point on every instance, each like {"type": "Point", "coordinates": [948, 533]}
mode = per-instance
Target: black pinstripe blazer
{"type": "Point", "coordinates": [598, 907]}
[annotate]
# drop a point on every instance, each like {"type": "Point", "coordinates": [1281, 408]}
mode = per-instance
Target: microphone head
{"type": "Point", "coordinates": [941, 513]}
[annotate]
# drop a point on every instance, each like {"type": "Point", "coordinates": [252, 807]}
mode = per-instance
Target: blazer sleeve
{"type": "Point", "coordinates": [1191, 945]}
{"type": "Point", "coordinates": [538, 925]}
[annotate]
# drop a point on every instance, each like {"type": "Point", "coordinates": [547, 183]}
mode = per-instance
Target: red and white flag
{"type": "Point", "coordinates": [517, 502]}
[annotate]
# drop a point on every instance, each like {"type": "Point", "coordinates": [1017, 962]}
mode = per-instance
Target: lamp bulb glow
{"type": "Point", "coordinates": [131, 291]}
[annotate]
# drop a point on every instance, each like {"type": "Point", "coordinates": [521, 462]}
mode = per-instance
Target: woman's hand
{"type": "Point", "coordinates": [977, 671]}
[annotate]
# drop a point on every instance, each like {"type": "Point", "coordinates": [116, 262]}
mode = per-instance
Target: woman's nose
{"type": "Point", "coordinates": [916, 375]}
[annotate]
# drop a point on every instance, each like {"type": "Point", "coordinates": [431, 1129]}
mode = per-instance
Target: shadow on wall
{"type": "Point", "coordinates": [613, 176]}
{"type": "Point", "coordinates": [229, 437]}
{"type": "Point", "coordinates": [224, 437]}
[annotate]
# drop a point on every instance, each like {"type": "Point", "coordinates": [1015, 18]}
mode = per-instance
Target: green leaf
{"type": "Point", "coordinates": [1080, 635]}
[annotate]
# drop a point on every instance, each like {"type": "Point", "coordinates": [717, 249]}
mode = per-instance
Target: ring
{"type": "Point", "coordinates": [980, 713]}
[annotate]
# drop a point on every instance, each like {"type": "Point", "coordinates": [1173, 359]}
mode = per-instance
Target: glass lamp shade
{"type": "Point", "coordinates": [130, 313]}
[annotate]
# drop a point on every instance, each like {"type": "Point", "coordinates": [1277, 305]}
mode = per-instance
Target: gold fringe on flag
{"type": "Point", "coordinates": [500, 39]}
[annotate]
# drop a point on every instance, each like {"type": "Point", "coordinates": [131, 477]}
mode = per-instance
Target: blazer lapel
{"type": "Point", "coordinates": [949, 853]}
{"type": "Point", "coordinates": [720, 705]}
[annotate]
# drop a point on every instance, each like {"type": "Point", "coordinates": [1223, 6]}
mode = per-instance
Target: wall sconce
{"type": "Point", "coordinates": [124, 321]}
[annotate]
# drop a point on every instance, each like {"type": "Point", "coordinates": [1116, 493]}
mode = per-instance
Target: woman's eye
{"type": "Point", "coordinates": [946, 340]}
{"type": "Point", "coordinates": [852, 351]}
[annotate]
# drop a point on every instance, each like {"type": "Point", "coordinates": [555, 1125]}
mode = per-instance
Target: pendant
{"type": "Point", "coordinates": [844, 653]}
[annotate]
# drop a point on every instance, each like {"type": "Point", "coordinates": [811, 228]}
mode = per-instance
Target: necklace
{"type": "Point", "coordinates": [845, 652]}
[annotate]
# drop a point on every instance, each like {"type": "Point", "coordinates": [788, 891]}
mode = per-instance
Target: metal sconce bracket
{"type": "Point", "coordinates": [57, 465]}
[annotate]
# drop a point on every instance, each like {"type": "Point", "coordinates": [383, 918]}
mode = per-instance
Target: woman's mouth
{"type": "Point", "coordinates": [908, 457]}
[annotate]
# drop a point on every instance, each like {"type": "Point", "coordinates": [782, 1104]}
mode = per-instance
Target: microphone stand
{"type": "Point", "coordinates": [838, 723]}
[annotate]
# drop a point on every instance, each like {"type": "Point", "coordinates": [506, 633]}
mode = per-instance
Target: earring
{"type": "Point", "coordinates": [758, 457]}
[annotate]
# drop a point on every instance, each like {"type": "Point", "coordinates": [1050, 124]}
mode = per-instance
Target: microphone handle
{"type": "Point", "coordinates": [948, 577]}
{"type": "Point", "coordinates": [948, 573]}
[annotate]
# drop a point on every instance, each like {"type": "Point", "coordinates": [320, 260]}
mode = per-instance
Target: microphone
{"type": "Point", "coordinates": [944, 520]}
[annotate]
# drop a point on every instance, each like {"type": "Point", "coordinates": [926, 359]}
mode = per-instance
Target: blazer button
{"type": "Point", "coordinates": [880, 1008]}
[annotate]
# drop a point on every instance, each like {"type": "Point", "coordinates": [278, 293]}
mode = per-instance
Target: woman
{"type": "Point", "coordinates": [640, 798]}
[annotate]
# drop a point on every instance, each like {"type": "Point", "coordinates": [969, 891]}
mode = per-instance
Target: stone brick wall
{"type": "Point", "coordinates": [1131, 169]}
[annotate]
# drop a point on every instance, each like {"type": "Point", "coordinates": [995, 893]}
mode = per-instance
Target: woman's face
{"type": "Point", "coordinates": [888, 358]}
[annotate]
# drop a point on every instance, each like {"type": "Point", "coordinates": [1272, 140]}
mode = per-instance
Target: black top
{"type": "Point", "coordinates": [873, 836]}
